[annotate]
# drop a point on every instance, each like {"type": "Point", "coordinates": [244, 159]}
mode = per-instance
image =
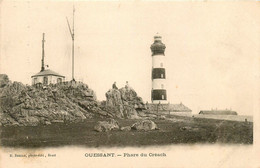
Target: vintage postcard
{"type": "Point", "coordinates": [129, 84]}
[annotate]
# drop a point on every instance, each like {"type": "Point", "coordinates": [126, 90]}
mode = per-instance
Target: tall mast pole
{"type": "Point", "coordinates": [72, 37]}
{"type": "Point", "coordinates": [73, 45]}
{"type": "Point", "coordinates": [43, 40]}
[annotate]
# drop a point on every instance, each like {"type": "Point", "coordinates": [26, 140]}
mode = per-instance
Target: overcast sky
{"type": "Point", "coordinates": [212, 49]}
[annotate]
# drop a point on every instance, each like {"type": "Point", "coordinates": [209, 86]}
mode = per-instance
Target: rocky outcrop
{"type": "Point", "coordinates": [104, 126]}
{"type": "Point", "coordinates": [33, 105]}
{"type": "Point", "coordinates": [26, 105]}
{"type": "Point", "coordinates": [4, 80]}
{"type": "Point", "coordinates": [125, 102]}
{"type": "Point", "coordinates": [144, 125]}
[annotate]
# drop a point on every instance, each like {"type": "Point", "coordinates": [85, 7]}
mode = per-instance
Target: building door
{"type": "Point", "coordinates": [34, 81]}
{"type": "Point", "coordinates": [45, 80]}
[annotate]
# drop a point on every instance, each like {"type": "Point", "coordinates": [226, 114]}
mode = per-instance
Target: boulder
{"type": "Point", "coordinates": [161, 117]}
{"type": "Point", "coordinates": [47, 123]}
{"type": "Point", "coordinates": [104, 126]}
{"type": "Point", "coordinates": [144, 125]}
{"type": "Point", "coordinates": [127, 128]}
{"type": "Point", "coordinates": [188, 128]}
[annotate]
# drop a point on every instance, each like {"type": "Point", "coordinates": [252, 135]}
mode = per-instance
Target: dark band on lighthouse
{"type": "Point", "coordinates": [159, 94]}
{"type": "Point", "coordinates": [158, 73]}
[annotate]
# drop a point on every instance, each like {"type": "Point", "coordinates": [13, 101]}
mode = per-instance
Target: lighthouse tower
{"type": "Point", "coordinates": [158, 71]}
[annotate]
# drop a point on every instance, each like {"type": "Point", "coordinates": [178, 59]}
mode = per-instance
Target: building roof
{"type": "Point", "coordinates": [218, 112]}
{"type": "Point", "coordinates": [168, 107]}
{"type": "Point", "coordinates": [47, 72]}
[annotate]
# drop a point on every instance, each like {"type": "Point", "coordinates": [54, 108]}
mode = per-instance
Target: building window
{"type": "Point", "coordinates": [34, 80]}
{"type": "Point", "coordinates": [162, 97]}
{"type": "Point", "coordinates": [161, 64]}
{"type": "Point", "coordinates": [162, 86]}
{"type": "Point", "coordinates": [59, 80]}
{"type": "Point", "coordinates": [45, 80]}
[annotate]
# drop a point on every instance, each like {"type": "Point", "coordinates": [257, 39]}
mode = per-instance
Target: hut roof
{"type": "Point", "coordinates": [47, 72]}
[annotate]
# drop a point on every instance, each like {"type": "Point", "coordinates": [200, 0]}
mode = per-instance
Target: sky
{"type": "Point", "coordinates": [212, 48]}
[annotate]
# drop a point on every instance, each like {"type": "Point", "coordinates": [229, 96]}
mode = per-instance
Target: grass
{"type": "Point", "coordinates": [170, 132]}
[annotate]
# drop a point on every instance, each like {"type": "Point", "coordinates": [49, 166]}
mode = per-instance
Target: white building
{"type": "Point", "coordinates": [47, 77]}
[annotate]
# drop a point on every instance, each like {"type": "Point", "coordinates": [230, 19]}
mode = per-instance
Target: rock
{"type": "Point", "coordinates": [113, 97]}
{"type": "Point", "coordinates": [127, 128]}
{"type": "Point", "coordinates": [125, 102]}
{"type": "Point", "coordinates": [104, 126]}
{"type": "Point", "coordinates": [57, 121]}
{"type": "Point", "coordinates": [7, 120]}
{"type": "Point", "coordinates": [29, 121]}
{"type": "Point", "coordinates": [149, 116]}
{"type": "Point", "coordinates": [144, 125]}
{"type": "Point", "coordinates": [104, 113]}
{"type": "Point", "coordinates": [47, 123]}
{"type": "Point", "coordinates": [187, 128]}
{"type": "Point", "coordinates": [4, 80]}
{"type": "Point", "coordinates": [161, 117]}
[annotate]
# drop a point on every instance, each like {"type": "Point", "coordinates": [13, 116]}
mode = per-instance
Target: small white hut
{"type": "Point", "coordinates": [47, 77]}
